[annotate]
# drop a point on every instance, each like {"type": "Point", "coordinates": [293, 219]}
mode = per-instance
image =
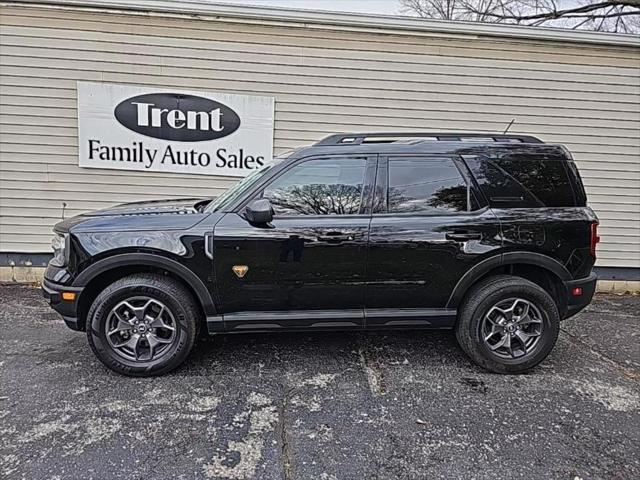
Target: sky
{"type": "Point", "coordinates": [386, 7]}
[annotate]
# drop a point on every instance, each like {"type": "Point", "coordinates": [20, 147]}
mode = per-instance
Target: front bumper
{"type": "Point", "coordinates": [67, 308]}
{"type": "Point", "coordinates": [577, 303]}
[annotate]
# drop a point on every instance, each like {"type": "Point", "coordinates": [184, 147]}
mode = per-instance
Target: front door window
{"type": "Point", "coordinates": [319, 187]}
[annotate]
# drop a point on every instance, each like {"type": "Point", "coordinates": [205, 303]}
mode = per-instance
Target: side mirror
{"type": "Point", "coordinates": [259, 212]}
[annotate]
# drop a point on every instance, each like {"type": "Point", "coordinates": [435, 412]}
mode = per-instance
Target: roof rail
{"type": "Point", "coordinates": [390, 137]}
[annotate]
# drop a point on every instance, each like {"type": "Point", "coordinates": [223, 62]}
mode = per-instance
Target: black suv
{"type": "Point", "coordinates": [487, 234]}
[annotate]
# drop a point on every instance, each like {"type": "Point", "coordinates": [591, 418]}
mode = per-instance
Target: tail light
{"type": "Point", "coordinates": [594, 239]}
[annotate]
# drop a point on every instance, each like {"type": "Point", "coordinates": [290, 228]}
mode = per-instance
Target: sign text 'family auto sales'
{"type": "Point", "coordinates": [172, 130]}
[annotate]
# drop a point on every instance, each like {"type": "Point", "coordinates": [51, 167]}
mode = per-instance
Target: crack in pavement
{"type": "Point", "coordinates": [286, 453]}
{"type": "Point", "coordinates": [155, 458]}
{"type": "Point", "coordinates": [373, 371]}
{"type": "Point", "coordinates": [633, 375]}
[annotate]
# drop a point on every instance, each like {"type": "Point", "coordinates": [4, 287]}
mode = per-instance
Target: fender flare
{"type": "Point", "coordinates": [147, 259]}
{"type": "Point", "coordinates": [510, 258]}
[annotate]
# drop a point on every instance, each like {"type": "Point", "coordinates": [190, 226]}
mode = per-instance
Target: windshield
{"type": "Point", "coordinates": [231, 195]}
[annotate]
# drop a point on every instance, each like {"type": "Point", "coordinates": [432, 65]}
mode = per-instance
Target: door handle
{"type": "Point", "coordinates": [335, 237]}
{"type": "Point", "coordinates": [463, 236]}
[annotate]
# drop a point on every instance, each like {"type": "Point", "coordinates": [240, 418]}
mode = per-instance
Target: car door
{"type": "Point", "coordinates": [428, 228]}
{"type": "Point", "coordinates": [307, 267]}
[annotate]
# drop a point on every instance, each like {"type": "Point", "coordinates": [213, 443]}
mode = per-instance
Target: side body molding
{"type": "Point", "coordinates": [147, 259]}
{"type": "Point", "coordinates": [508, 258]}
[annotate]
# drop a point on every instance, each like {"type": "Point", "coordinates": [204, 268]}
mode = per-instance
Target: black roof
{"type": "Point", "coordinates": [424, 143]}
{"type": "Point", "coordinates": [415, 137]}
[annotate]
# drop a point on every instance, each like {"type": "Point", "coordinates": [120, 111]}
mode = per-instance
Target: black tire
{"type": "Point", "coordinates": [479, 301]}
{"type": "Point", "coordinates": [172, 295]}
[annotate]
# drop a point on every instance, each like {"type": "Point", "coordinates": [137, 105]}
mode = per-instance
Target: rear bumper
{"type": "Point", "coordinates": [67, 308]}
{"type": "Point", "coordinates": [577, 303]}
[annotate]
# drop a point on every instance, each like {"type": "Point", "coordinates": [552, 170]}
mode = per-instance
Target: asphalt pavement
{"type": "Point", "coordinates": [327, 406]}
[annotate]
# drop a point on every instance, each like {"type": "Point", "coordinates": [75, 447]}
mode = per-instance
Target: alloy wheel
{"type": "Point", "coordinates": [512, 328]}
{"type": "Point", "coordinates": [140, 328]}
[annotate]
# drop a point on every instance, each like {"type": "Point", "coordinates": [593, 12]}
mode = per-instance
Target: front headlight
{"type": "Point", "coordinates": [60, 245]}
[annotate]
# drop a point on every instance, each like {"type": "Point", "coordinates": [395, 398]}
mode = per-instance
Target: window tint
{"type": "Point", "coordinates": [427, 185]}
{"type": "Point", "coordinates": [319, 187]}
{"type": "Point", "coordinates": [523, 181]}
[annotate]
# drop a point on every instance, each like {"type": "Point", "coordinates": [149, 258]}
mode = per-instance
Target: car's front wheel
{"type": "Point", "coordinates": [143, 324]}
{"type": "Point", "coordinates": [507, 324]}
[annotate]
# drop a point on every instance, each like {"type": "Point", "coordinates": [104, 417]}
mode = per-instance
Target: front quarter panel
{"type": "Point", "coordinates": [185, 246]}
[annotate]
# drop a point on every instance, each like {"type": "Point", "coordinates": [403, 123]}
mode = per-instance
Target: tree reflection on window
{"type": "Point", "coordinates": [319, 187]}
{"type": "Point", "coordinates": [430, 186]}
{"type": "Point", "coordinates": [317, 199]}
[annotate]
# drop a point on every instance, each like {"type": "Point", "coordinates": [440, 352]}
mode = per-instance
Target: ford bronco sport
{"type": "Point", "coordinates": [489, 235]}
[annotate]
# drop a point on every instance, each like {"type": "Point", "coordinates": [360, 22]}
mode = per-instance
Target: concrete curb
{"type": "Point", "coordinates": [29, 274]}
{"type": "Point", "coordinates": [21, 274]}
{"type": "Point", "coordinates": [618, 286]}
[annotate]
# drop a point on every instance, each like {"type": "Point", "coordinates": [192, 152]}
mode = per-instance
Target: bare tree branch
{"type": "Point", "coordinates": [567, 12]}
{"type": "Point", "coordinates": [600, 15]}
{"type": "Point", "coordinates": [604, 15]}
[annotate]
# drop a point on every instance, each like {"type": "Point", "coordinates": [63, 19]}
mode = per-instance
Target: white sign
{"type": "Point", "coordinates": [173, 130]}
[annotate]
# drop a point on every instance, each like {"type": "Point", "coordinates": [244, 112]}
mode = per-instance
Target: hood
{"type": "Point", "coordinates": [175, 214]}
{"type": "Point", "coordinates": [153, 207]}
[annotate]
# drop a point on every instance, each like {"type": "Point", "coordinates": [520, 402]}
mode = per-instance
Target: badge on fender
{"type": "Point", "coordinates": [240, 270]}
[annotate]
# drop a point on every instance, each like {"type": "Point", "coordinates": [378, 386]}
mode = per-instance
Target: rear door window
{"type": "Point", "coordinates": [427, 186]}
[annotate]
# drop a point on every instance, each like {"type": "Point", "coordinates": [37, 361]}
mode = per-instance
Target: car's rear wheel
{"type": "Point", "coordinates": [143, 325]}
{"type": "Point", "coordinates": [507, 324]}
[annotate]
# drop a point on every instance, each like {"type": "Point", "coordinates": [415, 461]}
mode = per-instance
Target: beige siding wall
{"type": "Point", "coordinates": [324, 81]}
